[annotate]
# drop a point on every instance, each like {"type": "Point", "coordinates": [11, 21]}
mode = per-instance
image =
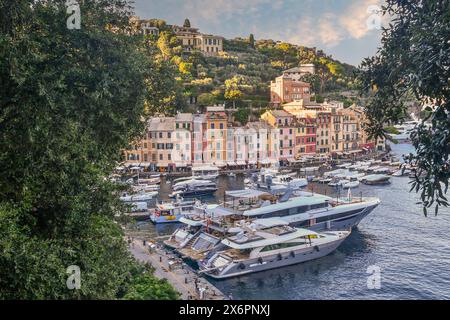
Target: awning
{"type": "Point", "coordinates": [231, 163]}
{"type": "Point", "coordinates": [240, 163]}
{"type": "Point", "coordinates": [220, 164]}
{"type": "Point", "coordinates": [180, 165]}
{"type": "Point", "coordinates": [251, 162]}
{"type": "Point", "coordinates": [265, 161]}
{"type": "Point", "coordinates": [144, 164]}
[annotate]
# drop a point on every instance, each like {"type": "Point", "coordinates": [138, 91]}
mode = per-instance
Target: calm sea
{"type": "Point", "coordinates": [411, 251]}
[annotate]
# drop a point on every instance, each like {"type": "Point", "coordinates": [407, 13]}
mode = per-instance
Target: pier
{"type": "Point", "coordinates": [168, 266]}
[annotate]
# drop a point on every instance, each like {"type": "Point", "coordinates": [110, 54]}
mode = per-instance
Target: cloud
{"type": "Point", "coordinates": [215, 11]}
{"type": "Point", "coordinates": [314, 23]}
{"type": "Point", "coordinates": [359, 14]}
{"type": "Point", "coordinates": [329, 32]}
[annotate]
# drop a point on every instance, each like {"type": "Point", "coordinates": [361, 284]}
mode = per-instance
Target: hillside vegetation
{"type": "Point", "coordinates": [240, 76]}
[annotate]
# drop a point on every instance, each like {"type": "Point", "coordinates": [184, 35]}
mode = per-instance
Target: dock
{"type": "Point", "coordinates": [168, 266]}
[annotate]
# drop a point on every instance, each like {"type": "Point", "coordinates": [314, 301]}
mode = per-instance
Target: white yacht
{"type": "Point", "coordinates": [268, 244]}
{"type": "Point", "coordinates": [190, 188]}
{"type": "Point", "coordinates": [269, 178]}
{"type": "Point", "coordinates": [139, 197]}
{"type": "Point", "coordinates": [205, 172]}
{"type": "Point", "coordinates": [312, 211]}
{"type": "Point", "coordinates": [171, 212]}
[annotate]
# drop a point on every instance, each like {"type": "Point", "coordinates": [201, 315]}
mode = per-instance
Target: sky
{"type": "Point", "coordinates": [349, 30]}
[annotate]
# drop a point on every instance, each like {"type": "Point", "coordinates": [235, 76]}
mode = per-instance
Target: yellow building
{"type": "Point", "coordinates": [216, 135]}
{"type": "Point", "coordinates": [191, 39]}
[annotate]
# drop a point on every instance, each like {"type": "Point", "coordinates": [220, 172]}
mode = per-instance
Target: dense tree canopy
{"type": "Point", "coordinates": [70, 101]}
{"type": "Point", "coordinates": [414, 58]}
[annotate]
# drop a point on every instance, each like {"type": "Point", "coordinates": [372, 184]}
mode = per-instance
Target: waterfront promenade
{"type": "Point", "coordinates": [168, 266]}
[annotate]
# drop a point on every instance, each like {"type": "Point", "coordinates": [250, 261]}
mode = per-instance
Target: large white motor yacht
{"type": "Point", "coordinates": [268, 244]}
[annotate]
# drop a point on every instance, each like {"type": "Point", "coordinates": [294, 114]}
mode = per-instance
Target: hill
{"type": "Point", "coordinates": [241, 74]}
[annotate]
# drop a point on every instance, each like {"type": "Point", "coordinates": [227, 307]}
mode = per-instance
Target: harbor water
{"type": "Point", "coordinates": [410, 251]}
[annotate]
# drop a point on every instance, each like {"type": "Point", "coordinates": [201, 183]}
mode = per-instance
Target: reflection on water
{"type": "Point", "coordinates": [411, 250]}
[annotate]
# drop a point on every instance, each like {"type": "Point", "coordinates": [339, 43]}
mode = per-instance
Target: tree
{"type": "Point", "coordinates": [146, 287]}
{"type": "Point", "coordinates": [414, 58]}
{"type": "Point", "coordinates": [313, 80]}
{"type": "Point", "coordinates": [251, 40]}
{"type": "Point", "coordinates": [242, 115]}
{"type": "Point", "coordinates": [70, 101]}
{"type": "Point", "coordinates": [187, 23]}
{"type": "Point", "coordinates": [232, 90]}
{"type": "Point", "coordinates": [206, 99]}
{"type": "Point", "coordinates": [164, 45]}
{"type": "Point", "coordinates": [185, 68]}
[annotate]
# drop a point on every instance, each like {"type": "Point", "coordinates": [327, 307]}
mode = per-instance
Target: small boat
{"type": "Point", "coordinates": [351, 184]}
{"type": "Point", "coordinates": [150, 181]}
{"type": "Point", "coordinates": [173, 211]}
{"type": "Point", "coordinates": [205, 172]}
{"type": "Point", "coordinates": [139, 207]}
{"type": "Point", "coordinates": [232, 175]}
{"type": "Point", "coordinates": [382, 170]}
{"type": "Point", "coordinates": [145, 188]}
{"type": "Point", "coordinates": [344, 166]}
{"type": "Point", "coordinates": [139, 197]}
{"type": "Point", "coordinates": [272, 245]}
{"type": "Point", "coordinates": [334, 173]}
{"type": "Point", "coordinates": [402, 172]}
{"type": "Point", "coordinates": [376, 179]}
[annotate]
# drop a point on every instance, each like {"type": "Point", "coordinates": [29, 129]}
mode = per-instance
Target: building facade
{"type": "Point", "coordinates": [192, 40]}
{"type": "Point", "coordinates": [285, 89]}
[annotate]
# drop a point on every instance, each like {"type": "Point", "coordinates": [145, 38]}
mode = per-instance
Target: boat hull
{"type": "Point", "coordinates": [194, 193]}
{"type": "Point", "coordinates": [274, 261]}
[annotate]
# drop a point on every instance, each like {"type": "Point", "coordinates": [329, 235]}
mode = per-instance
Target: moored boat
{"type": "Point", "coordinates": [376, 179]}
{"type": "Point", "coordinates": [269, 244]}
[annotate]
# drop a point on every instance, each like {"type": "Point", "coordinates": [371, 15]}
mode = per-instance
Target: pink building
{"type": "Point", "coordinates": [305, 137]}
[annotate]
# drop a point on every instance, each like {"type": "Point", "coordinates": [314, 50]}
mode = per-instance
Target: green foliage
{"type": "Point", "coordinates": [206, 99]}
{"type": "Point", "coordinates": [242, 115]}
{"type": "Point", "coordinates": [147, 287]}
{"type": "Point", "coordinates": [414, 58]}
{"type": "Point", "coordinates": [70, 101]}
{"type": "Point", "coordinates": [185, 68]}
{"type": "Point", "coordinates": [391, 130]}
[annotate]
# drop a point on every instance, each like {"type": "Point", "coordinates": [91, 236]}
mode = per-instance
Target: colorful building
{"type": "Point", "coordinates": [305, 138]}
{"type": "Point", "coordinates": [216, 135]}
{"type": "Point", "coordinates": [285, 89]}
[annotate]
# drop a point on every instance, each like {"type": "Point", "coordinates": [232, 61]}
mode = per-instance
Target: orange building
{"type": "Point", "coordinates": [216, 135]}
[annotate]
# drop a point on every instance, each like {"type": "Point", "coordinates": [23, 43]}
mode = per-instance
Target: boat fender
{"type": "Point", "coordinates": [241, 266]}
{"type": "Point", "coordinates": [316, 248]}
{"type": "Point", "coordinates": [260, 260]}
{"type": "Point", "coordinates": [280, 257]}
{"type": "Point", "coordinates": [292, 254]}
